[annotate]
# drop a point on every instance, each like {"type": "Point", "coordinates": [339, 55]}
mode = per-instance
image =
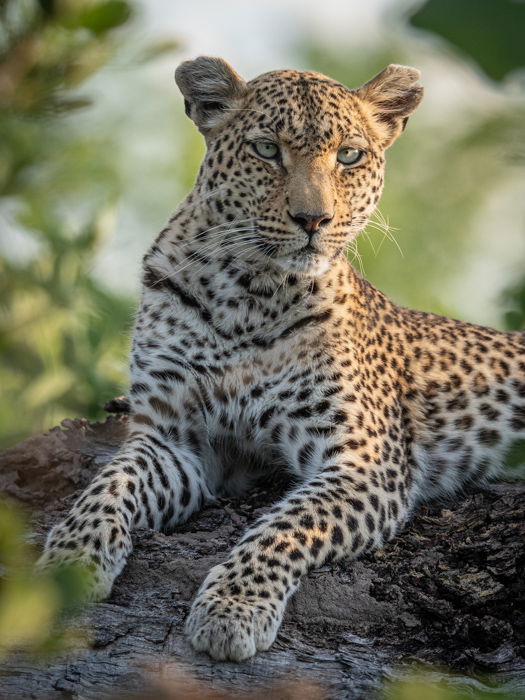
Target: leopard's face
{"type": "Point", "coordinates": [310, 169]}
{"type": "Point", "coordinates": [295, 160]}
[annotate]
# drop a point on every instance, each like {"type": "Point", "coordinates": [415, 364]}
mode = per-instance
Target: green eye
{"type": "Point", "coordinates": [349, 156]}
{"type": "Point", "coordinates": [265, 149]}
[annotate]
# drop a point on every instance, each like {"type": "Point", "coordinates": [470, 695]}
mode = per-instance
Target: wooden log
{"type": "Point", "coordinates": [449, 592]}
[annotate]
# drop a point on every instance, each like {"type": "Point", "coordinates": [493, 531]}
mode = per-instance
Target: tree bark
{"type": "Point", "coordinates": [449, 592]}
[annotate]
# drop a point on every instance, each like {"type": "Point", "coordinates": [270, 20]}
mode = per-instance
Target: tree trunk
{"type": "Point", "coordinates": [448, 592]}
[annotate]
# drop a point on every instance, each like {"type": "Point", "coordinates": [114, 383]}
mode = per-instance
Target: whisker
{"type": "Point", "coordinates": [227, 225]}
{"type": "Point", "coordinates": [371, 243]}
{"type": "Point", "coordinates": [382, 225]}
{"type": "Point", "coordinates": [281, 284]}
{"type": "Point", "coordinates": [211, 247]}
{"type": "Point", "coordinates": [352, 248]}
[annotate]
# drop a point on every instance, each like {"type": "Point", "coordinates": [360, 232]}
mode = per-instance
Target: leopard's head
{"type": "Point", "coordinates": [294, 162]}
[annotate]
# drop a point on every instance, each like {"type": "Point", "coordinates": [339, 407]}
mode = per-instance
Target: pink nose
{"type": "Point", "coordinates": [311, 222]}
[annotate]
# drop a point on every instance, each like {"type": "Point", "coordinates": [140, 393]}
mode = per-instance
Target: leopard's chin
{"type": "Point", "coordinates": [302, 262]}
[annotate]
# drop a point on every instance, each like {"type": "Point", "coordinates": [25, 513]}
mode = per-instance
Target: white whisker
{"type": "Point", "coordinates": [356, 255]}
{"type": "Point", "coordinates": [381, 224]}
{"type": "Point", "coordinates": [210, 248]}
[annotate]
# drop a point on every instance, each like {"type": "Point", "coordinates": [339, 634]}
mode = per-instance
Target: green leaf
{"type": "Point", "coordinates": [489, 31]}
{"type": "Point", "coordinates": [514, 297]}
{"type": "Point", "coordinates": [515, 459]}
{"type": "Point", "coordinates": [47, 7]}
{"type": "Point", "coordinates": [105, 16]}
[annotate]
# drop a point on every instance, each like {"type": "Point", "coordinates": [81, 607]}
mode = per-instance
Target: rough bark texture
{"type": "Point", "coordinates": [449, 591]}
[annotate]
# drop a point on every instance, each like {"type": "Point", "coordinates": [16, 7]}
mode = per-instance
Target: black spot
{"type": "Point", "coordinates": [337, 535]}
{"type": "Point", "coordinates": [316, 546]}
{"type": "Point", "coordinates": [488, 437]}
{"type": "Point", "coordinates": [369, 520]}
{"type": "Point", "coordinates": [356, 504]}
{"type": "Point", "coordinates": [307, 521]}
{"type": "Point", "coordinates": [283, 525]}
{"type": "Point", "coordinates": [296, 554]}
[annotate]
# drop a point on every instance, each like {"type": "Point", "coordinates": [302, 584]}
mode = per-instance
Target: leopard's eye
{"type": "Point", "coordinates": [265, 149]}
{"type": "Point", "coordinates": [349, 156]}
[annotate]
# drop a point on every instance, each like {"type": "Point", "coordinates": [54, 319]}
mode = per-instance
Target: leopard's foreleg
{"type": "Point", "coordinates": [150, 483]}
{"type": "Point", "coordinates": [347, 508]}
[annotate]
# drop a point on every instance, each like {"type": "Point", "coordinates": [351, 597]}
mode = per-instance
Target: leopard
{"type": "Point", "coordinates": [258, 350]}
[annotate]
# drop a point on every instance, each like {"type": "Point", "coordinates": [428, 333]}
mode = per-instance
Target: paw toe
{"type": "Point", "coordinates": [230, 630]}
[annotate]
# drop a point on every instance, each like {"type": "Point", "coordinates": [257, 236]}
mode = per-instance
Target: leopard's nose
{"type": "Point", "coordinates": [311, 222]}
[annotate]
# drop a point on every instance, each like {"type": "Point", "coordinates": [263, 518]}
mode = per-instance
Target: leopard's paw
{"type": "Point", "coordinates": [233, 628]}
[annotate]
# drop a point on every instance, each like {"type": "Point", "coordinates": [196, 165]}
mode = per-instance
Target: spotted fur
{"type": "Point", "coordinates": [258, 347]}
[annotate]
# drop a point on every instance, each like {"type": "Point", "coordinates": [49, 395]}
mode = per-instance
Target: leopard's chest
{"type": "Point", "coordinates": [233, 386]}
{"type": "Point", "coordinates": [238, 403]}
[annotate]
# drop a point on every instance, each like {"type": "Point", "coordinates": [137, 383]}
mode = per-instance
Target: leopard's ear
{"type": "Point", "coordinates": [390, 98]}
{"type": "Point", "coordinates": [212, 90]}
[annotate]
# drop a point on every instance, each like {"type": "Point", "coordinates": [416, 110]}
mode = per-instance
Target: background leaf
{"type": "Point", "coordinates": [489, 31]}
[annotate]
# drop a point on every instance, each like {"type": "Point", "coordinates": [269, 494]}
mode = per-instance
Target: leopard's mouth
{"type": "Point", "coordinates": [309, 259]}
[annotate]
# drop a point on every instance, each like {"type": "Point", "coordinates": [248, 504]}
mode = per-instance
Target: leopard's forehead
{"type": "Point", "coordinates": [295, 103]}
{"type": "Point", "coordinates": [279, 82]}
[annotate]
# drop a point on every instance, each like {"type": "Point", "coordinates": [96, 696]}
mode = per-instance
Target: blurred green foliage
{"type": "Point", "coordinates": [35, 610]}
{"type": "Point", "coordinates": [422, 685]}
{"type": "Point", "coordinates": [63, 335]}
{"type": "Point", "coordinates": [513, 301]}
{"type": "Point", "coordinates": [489, 31]}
